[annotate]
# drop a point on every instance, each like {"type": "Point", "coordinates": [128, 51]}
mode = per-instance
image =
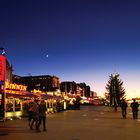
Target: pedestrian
{"type": "Point", "coordinates": [124, 108]}
{"type": "Point", "coordinates": [35, 115]}
{"type": "Point", "coordinates": [134, 105]}
{"type": "Point", "coordinates": [30, 113]}
{"type": "Point", "coordinates": [42, 115]}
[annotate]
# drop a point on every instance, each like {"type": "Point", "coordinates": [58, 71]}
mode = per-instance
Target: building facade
{"type": "Point", "coordinates": [8, 73]}
{"type": "Point", "coordinates": [68, 87]}
{"type": "Point", "coordinates": [42, 82]}
{"type": "Point", "coordinates": [85, 89]}
{"type": "Point", "coordinates": [74, 88]}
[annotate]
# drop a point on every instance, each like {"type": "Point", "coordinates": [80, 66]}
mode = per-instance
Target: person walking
{"type": "Point", "coordinates": [35, 115]}
{"type": "Point", "coordinates": [42, 115]}
{"type": "Point", "coordinates": [134, 105]}
{"type": "Point", "coordinates": [30, 113]}
{"type": "Point", "coordinates": [124, 108]}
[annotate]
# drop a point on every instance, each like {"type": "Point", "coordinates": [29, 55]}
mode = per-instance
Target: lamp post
{"type": "Point", "coordinates": [2, 84]}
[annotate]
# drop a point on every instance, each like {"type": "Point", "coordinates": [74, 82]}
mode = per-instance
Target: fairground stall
{"type": "Point", "coordinates": [54, 102]}
{"type": "Point", "coordinates": [16, 100]}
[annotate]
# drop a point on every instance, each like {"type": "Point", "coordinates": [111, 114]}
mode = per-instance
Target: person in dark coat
{"type": "Point", "coordinates": [42, 115]}
{"type": "Point", "coordinates": [124, 108]}
{"type": "Point", "coordinates": [134, 105]}
{"type": "Point", "coordinates": [30, 113]}
{"type": "Point", "coordinates": [35, 110]}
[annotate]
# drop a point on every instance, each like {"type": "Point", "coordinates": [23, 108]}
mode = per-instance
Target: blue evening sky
{"type": "Point", "coordinates": [76, 40]}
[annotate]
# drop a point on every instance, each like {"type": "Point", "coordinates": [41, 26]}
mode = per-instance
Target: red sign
{"type": "Point", "coordinates": [2, 67]}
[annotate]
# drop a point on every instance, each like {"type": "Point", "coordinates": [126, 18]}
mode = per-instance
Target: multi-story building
{"type": "Point", "coordinates": [41, 82]}
{"type": "Point", "coordinates": [8, 72]}
{"type": "Point", "coordinates": [74, 88]}
{"type": "Point", "coordinates": [68, 87]}
{"type": "Point", "coordinates": [85, 89]}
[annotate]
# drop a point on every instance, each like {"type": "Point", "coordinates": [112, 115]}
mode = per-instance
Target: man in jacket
{"type": "Point", "coordinates": [42, 115]}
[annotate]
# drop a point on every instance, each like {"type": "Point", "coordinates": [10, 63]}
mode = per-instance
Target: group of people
{"type": "Point", "coordinates": [37, 114]}
{"type": "Point", "coordinates": [134, 106]}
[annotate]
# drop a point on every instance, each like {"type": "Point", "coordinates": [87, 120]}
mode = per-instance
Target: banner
{"type": "Point", "coordinates": [2, 67]}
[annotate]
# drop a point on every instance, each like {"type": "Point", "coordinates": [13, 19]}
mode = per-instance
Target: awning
{"type": "Point", "coordinates": [26, 94]}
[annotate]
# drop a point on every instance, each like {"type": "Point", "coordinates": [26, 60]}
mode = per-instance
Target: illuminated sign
{"type": "Point", "coordinates": [15, 87]}
{"type": "Point", "coordinates": [36, 91]}
{"type": "Point", "coordinates": [2, 67]}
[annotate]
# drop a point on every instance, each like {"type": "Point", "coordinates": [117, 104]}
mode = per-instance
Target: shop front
{"type": "Point", "coordinates": [54, 102]}
{"type": "Point", "coordinates": [16, 100]}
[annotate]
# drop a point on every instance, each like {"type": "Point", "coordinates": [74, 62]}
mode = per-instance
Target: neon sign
{"type": "Point", "coordinates": [15, 87]}
{"type": "Point", "coordinates": [2, 67]}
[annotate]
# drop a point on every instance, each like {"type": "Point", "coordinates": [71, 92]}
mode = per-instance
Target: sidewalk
{"type": "Point", "coordinates": [89, 123]}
